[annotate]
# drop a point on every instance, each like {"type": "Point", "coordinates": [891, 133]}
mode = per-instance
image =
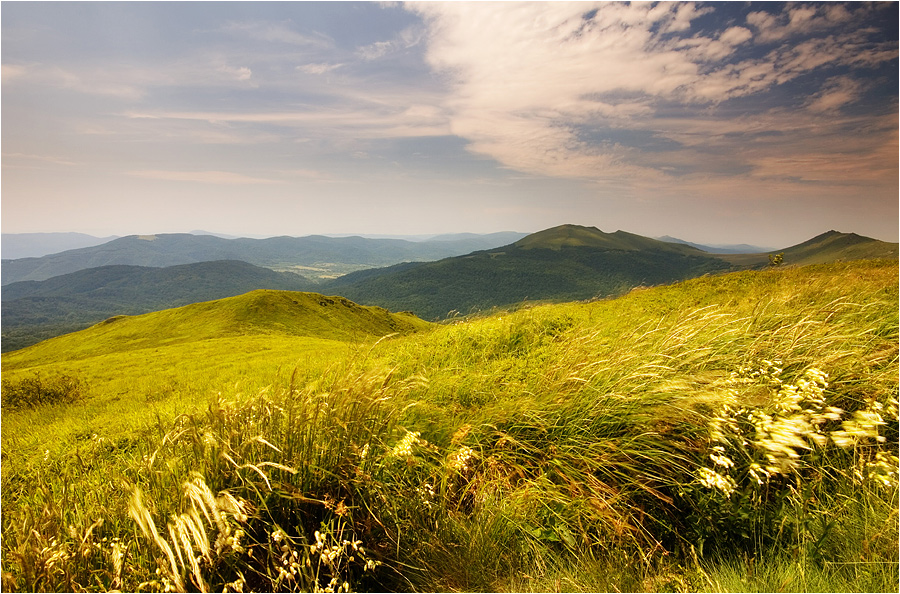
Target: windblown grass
{"type": "Point", "coordinates": [726, 433]}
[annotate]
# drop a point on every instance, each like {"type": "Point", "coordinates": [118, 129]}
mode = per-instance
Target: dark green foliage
{"type": "Point", "coordinates": [511, 275]}
{"type": "Point", "coordinates": [36, 390]}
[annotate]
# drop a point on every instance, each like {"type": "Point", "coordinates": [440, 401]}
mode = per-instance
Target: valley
{"type": "Point", "coordinates": [564, 263]}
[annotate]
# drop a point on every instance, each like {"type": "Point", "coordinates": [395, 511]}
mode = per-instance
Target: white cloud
{"type": "Point", "coordinates": [319, 68]}
{"type": "Point", "coordinates": [837, 92]}
{"type": "Point", "coordinates": [797, 19]}
{"type": "Point", "coordinates": [528, 79]}
{"type": "Point", "coordinates": [241, 73]}
{"type": "Point", "coordinates": [406, 39]}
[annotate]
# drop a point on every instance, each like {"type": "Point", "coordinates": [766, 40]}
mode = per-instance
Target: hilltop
{"type": "Point", "coordinates": [34, 310]}
{"type": "Point", "coordinates": [571, 262]}
{"type": "Point", "coordinates": [257, 313]}
{"type": "Point", "coordinates": [576, 236]}
{"type": "Point", "coordinates": [564, 263]}
{"type": "Point", "coordinates": [831, 246]}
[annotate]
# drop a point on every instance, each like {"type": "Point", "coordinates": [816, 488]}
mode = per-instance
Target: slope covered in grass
{"type": "Point", "coordinates": [831, 246]}
{"type": "Point", "coordinates": [258, 312]}
{"type": "Point", "coordinates": [37, 310]}
{"type": "Point", "coordinates": [729, 432]}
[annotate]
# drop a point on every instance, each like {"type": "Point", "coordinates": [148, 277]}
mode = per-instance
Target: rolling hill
{"type": "Point", "coordinates": [312, 255]}
{"type": "Point", "coordinates": [34, 310]}
{"type": "Point", "coordinates": [261, 312]}
{"type": "Point", "coordinates": [568, 262]}
{"type": "Point", "coordinates": [831, 246]}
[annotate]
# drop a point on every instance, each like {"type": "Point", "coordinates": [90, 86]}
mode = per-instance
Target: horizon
{"type": "Point", "coordinates": [719, 124]}
{"type": "Point", "coordinates": [429, 237]}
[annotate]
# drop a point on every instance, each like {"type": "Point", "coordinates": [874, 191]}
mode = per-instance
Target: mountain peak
{"type": "Point", "coordinates": [569, 236]}
{"type": "Point", "coordinates": [561, 236]}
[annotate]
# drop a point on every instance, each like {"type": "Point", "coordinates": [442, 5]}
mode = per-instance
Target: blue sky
{"type": "Point", "coordinates": [720, 123]}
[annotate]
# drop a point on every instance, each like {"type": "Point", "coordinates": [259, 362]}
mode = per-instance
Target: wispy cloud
{"type": "Point", "coordinates": [204, 177]}
{"type": "Point", "coordinates": [529, 79]}
{"type": "Point", "coordinates": [408, 38]}
{"type": "Point", "coordinates": [276, 32]}
{"type": "Point", "coordinates": [19, 158]}
{"type": "Point", "coordinates": [318, 68]}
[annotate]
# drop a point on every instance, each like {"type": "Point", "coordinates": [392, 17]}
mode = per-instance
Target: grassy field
{"type": "Point", "coordinates": [728, 433]}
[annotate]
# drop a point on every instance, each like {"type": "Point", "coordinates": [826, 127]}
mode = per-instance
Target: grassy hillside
{"type": "Point", "coordinates": [36, 310]}
{"type": "Point", "coordinates": [828, 247]}
{"type": "Point", "coordinates": [729, 433]}
{"type": "Point", "coordinates": [564, 263]}
{"type": "Point", "coordinates": [262, 312]}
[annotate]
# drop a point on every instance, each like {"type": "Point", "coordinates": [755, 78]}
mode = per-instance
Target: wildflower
{"type": "Point", "coordinates": [884, 469]}
{"type": "Point", "coordinates": [403, 449]}
{"type": "Point", "coordinates": [460, 458]}
{"type": "Point", "coordinates": [759, 474]}
{"type": "Point", "coordinates": [713, 480]}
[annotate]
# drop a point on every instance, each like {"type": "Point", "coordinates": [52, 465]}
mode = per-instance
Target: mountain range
{"type": "Point", "coordinates": [314, 255]}
{"type": "Point", "coordinates": [564, 263]}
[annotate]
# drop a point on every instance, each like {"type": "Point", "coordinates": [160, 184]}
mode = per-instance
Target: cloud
{"type": "Point", "coordinates": [531, 81]}
{"type": "Point", "coordinates": [32, 158]}
{"type": "Point", "coordinates": [10, 72]}
{"type": "Point", "coordinates": [357, 115]}
{"type": "Point", "coordinates": [837, 92]}
{"type": "Point", "coordinates": [241, 73]}
{"type": "Point", "coordinates": [795, 20]}
{"type": "Point", "coordinates": [205, 177]}
{"type": "Point", "coordinates": [406, 39]}
{"type": "Point", "coordinates": [320, 68]}
{"type": "Point", "coordinates": [276, 32]}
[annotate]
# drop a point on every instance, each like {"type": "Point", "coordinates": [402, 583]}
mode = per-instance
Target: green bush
{"type": "Point", "coordinates": [36, 391]}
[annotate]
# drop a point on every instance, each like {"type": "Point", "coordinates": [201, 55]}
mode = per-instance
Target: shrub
{"type": "Point", "coordinates": [35, 391]}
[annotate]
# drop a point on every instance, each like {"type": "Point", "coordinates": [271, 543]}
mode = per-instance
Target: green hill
{"type": "Point", "coordinates": [563, 263]}
{"type": "Point", "coordinates": [562, 236]}
{"type": "Point", "coordinates": [258, 313]}
{"type": "Point", "coordinates": [37, 310]}
{"type": "Point", "coordinates": [832, 246]}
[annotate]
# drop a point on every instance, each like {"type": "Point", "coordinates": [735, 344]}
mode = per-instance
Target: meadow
{"type": "Point", "coordinates": [735, 432]}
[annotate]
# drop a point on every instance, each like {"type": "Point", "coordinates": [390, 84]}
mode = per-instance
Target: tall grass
{"type": "Point", "coordinates": [730, 433]}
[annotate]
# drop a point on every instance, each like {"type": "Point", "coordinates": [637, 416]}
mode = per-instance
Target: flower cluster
{"type": "Point", "coordinates": [771, 436]}
{"type": "Point", "coordinates": [404, 447]}
{"type": "Point", "coordinates": [459, 459]}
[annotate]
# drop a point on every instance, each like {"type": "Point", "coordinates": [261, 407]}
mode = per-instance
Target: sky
{"type": "Point", "coordinates": [720, 123]}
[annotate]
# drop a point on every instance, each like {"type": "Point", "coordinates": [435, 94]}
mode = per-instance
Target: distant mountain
{"type": "Point", "coordinates": [314, 255]}
{"type": "Point", "coordinates": [285, 313]}
{"type": "Point", "coordinates": [35, 310]}
{"type": "Point", "coordinates": [568, 262]}
{"type": "Point", "coordinates": [740, 248]}
{"type": "Point", "coordinates": [827, 247]}
{"type": "Point", "coordinates": [35, 245]}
